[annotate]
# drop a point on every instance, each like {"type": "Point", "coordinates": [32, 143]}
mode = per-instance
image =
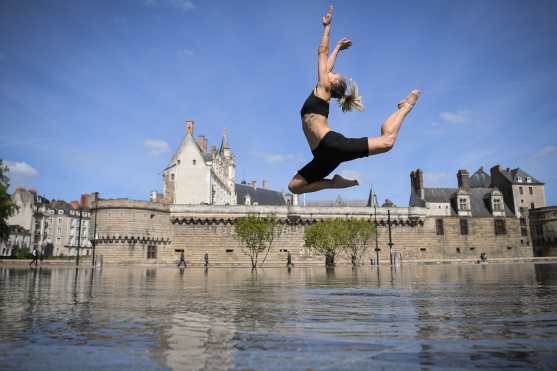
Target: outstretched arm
{"type": "Point", "coordinates": [342, 44]}
{"type": "Point", "coordinates": [323, 84]}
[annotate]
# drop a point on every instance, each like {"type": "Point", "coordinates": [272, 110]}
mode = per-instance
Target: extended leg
{"type": "Point", "coordinates": [391, 126]}
{"type": "Point", "coordinates": [299, 185]}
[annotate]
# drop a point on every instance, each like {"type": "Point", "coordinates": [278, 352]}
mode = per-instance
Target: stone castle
{"type": "Point", "coordinates": [484, 213]}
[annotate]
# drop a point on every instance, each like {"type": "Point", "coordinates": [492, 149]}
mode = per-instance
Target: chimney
{"type": "Point", "coordinates": [253, 184]}
{"type": "Point", "coordinates": [265, 184]}
{"type": "Point", "coordinates": [225, 138]}
{"type": "Point", "coordinates": [74, 204]}
{"type": "Point", "coordinates": [213, 151]}
{"type": "Point", "coordinates": [85, 200]}
{"type": "Point", "coordinates": [189, 127]}
{"type": "Point", "coordinates": [417, 182]}
{"type": "Point", "coordinates": [463, 179]}
{"type": "Point", "coordinates": [202, 141]}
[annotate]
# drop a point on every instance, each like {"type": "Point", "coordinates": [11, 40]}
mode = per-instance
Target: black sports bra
{"type": "Point", "coordinates": [314, 104]}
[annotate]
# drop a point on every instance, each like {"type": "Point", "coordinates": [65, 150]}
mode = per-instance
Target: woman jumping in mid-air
{"type": "Point", "coordinates": [330, 148]}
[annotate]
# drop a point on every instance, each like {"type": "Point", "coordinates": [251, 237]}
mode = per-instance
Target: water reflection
{"type": "Point", "coordinates": [159, 318]}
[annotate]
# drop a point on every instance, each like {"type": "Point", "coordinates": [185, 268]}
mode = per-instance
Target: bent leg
{"type": "Point", "coordinates": [391, 126]}
{"type": "Point", "coordinates": [299, 185]}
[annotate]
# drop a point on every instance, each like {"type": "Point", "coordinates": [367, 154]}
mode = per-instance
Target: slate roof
{"type": "Point", "coordinates": [480, 179]}
{"type": "Point", "coordinates": [513, 174]}
{"type": "Point", "coordinates": [479, 202]}
{"type": "Point", "coordinates": [259, 195]}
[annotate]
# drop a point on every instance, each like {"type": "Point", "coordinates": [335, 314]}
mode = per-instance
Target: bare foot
{"type": "Point", "coordinates": [340, 182]}
{"type": "Point", "coordinates": [410, 101]}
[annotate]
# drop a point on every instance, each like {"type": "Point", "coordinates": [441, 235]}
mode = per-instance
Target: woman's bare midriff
{"type": "Point", "coordinates": [315, 127]}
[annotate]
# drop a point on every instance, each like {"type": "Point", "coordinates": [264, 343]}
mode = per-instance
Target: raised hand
{"type": "Point", "coordinates": [327, 18]}
{"type": "Point", "coordinates": [344, 43]}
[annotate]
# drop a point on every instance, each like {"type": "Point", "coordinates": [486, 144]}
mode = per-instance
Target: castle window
{"type": "Point", "coordinates": [497, 204]}
{"type": "Point", "coordinates": [151, 252]}
{"type": "Point", "coordinates": [532, 206]}
{"type": "Point", "coordinates": [523, 228]}
{"type": "Point", "coordinates": [439, 227]}
{"type": "Point", "coordinates": [530, 190]}
{"type": "Point", "coordinates": [462, 204]}
{"type": "Point", "coordinates": [178, 162]}
{"type": "Point", "coordinates": [194, 161]}
{"type": "Point", "coordinates": [500, 227]}
{"type": "Point", "coordinates": [520, 190]}
{"type": "Point", "coordinates": [171, 176]}
{"type": "Point", "coordinates": [464, 226]}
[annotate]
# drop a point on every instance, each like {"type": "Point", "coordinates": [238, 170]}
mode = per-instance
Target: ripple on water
{"type": "Point", "coordinates": [412, 317]}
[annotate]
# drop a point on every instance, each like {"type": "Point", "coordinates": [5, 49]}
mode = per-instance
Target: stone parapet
{"type": "Point", "coordinates": [294, 214]}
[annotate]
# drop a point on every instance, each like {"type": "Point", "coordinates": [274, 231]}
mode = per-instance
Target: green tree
{"type": "Point", "coordinates": [327, 237]}
{"type": "Point", "coordinates": [256, 234]}
{"type": "Point", "coordinates": [358, 235]}
{"type": "Point", "coordinates": [7, 205]}
{"type": "Point", "coordinates": [333, 236]}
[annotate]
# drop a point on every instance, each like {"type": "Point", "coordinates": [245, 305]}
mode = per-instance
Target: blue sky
{"type": "Point", "coordinates": [94, 94]}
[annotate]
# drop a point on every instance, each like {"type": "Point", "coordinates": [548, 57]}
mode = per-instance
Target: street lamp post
{"type": "Point", "coordinates": [79, 235]}
{"type": "Point", "coordinates": [94, 239]}
{"type": "Point", "coordinates": [390, 237]}
{"type": "Point", "coordinates": [376, 230]}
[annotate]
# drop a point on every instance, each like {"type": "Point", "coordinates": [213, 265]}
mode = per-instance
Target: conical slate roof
{"type": "Point", "coordinates": [480, 179]}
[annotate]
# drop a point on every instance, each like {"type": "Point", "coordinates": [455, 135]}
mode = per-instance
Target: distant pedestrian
{"type": "Point", "coordinates": [35, 254]}
{"type": "Point", "coordinates": [206, 260]}
{"type": "Point", "coordinates": [182, 263]}
{"type": "Point", "coordinates": [289, 260]}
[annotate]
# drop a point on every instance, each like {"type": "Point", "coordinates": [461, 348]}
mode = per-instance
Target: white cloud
{"type": "Point", "coordinates": [544, 152]}
{"type": "Point", "coordinates": [184, 5]}
{"type": "Point", "coordinates": [274, 157]}
{"type": "Point", "coordinates": [352, 174]}
{"type": "Point", "coordinates": [457, 117]}
{"type": "Point", "coordinates": [436, 179]}
{"type": "Point", "coordinates": [156, 146]}
{"type": "Point", "coordinates": [21, 169]}
{"type": "Point", "coordinates": [186, 52]}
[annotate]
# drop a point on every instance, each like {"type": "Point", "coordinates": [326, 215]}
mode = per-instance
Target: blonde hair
{"type": "Point", "coordinates": [352, 100]}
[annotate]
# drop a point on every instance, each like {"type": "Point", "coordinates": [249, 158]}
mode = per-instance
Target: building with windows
{"type": "Point", "coordinates": [196, 176]}
{"type": "Point", "coordinates": [64, 233]}
{"type": "Point", "coordinates": [479, 208]}
{"type": "Point", "coordinates": [50, 226]}
{"type": "Point", "coordinates": [520, 190]}
{"type": "Point", "coordinates": [28, 225]}
{"type": "Point", "coordinates": [543, 224]}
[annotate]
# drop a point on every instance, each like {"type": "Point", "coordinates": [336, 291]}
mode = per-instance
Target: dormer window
{"type": "Point", "coordinates": [462, 204]}
{"type": "Point", "coordinates": [528, 180]}
{"type": "Point", "coordinates": [497, 204]}
{"type": "Point", "coordinates": [519, 179]}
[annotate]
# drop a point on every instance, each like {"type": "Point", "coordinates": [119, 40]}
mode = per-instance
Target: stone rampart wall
{"type": "Point", "coordinates": [126, 229]}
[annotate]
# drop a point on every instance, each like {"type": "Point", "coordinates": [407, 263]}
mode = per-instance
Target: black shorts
{"type": "Point", "coordinates": [333, 149]}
